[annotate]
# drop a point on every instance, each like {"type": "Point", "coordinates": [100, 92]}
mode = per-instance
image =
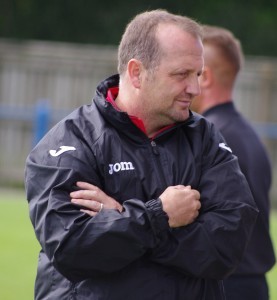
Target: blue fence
{"type": "Point", "coordinates": [23, 127]}
{"type": "Point", "coordinates": [42, 116]}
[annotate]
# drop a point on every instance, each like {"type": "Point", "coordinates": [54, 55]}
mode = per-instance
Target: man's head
{"type": "Point", "coordinates": [139, 40]}
{"type": "Point", "coordinates": [160, 61]}
{"type": "Point", "coordinates": [223, 58]}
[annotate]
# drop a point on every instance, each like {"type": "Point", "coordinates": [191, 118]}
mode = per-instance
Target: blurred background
{"type": "Point", "coordinates": [53, 53]}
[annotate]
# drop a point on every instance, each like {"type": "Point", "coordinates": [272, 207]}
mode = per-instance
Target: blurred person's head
{"type": "Point", "coordinates": [160, 60]}
{"type": "Point", "coordinates": [223, 59]}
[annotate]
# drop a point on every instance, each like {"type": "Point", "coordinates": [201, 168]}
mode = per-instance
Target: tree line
{"type": "Point", "coordinates": [102, 22]}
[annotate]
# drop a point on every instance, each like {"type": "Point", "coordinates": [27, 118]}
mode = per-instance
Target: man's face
{"type": "Point", "coordinates": [197, 103]}
{"type": "Point", "coordinates": [168, 92]}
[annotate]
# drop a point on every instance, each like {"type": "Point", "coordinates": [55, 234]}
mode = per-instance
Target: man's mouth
{"type": "Point", "coordinates": [184, 103]}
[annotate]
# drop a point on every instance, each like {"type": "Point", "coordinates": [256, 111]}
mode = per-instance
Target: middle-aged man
{"type": "Point", "coordinates": [114, 188]}
{"type": "Point", "coordinates": [223, 60]}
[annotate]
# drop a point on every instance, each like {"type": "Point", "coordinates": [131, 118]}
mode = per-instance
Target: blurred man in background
{"type": "Point", "coordinates": [223, 60]}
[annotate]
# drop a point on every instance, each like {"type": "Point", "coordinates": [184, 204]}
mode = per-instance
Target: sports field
{"type": "Point", "coordinates": [19, 249]}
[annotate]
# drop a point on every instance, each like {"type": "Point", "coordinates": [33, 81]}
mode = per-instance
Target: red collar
{"type": "Point", "coordinates": [111, 96]}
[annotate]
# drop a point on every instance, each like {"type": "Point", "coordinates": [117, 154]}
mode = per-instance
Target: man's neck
{"type": "Point", "coordinates": [214, 98]}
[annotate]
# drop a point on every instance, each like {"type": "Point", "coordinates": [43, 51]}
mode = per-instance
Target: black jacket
{"type": "Point", "coordinates": [255, 165]}
{"type": "Point", "coordinates": [134, 255]}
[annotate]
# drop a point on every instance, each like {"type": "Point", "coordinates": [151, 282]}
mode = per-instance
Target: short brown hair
{"type": "Point", "coordinates": [228, 45]}
{"type": "Point", "coordinates": [139, 39]}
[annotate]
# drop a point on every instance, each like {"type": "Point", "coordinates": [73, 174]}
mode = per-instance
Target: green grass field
{"type": "Point", "coordinates": [19, 249]}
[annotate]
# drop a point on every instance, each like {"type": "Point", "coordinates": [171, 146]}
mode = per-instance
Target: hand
{"type": "Point", "coordinates": [181, 203]}
{"type": "Point", "coordinates": [93, 198]}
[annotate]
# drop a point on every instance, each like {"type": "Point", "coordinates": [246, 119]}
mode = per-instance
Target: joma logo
{"type": "Point", "coordinates": [121, 166]}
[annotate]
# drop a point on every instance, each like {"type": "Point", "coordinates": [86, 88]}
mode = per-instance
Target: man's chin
{"type": "Point", "coordinates": [182, 117]}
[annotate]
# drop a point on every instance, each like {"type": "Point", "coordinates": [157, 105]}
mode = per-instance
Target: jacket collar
{"type": "Point", "coordinates": [130, 125]}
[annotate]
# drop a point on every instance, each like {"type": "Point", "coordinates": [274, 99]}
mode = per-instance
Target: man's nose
{"type": "Point", "coordinates": [193, 86]}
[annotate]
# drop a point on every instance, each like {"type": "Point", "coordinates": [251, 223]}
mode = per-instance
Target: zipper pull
{"type": "Point", "coordinates": [154, 148]}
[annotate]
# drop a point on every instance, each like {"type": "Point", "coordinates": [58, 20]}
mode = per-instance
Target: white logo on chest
{"type": "Point", "coordinates": [121, 166]}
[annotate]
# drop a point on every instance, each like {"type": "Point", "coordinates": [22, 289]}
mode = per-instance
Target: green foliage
{"type": "Point", "coordinates": [102, 22]}
{"type": "Point", "coordinates": [19, 249]}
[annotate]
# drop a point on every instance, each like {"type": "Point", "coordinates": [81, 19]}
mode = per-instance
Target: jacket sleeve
{"type": "Point", "coordinates": [72, 240]}
{"type": "Point", "coordinates": [214, 244]}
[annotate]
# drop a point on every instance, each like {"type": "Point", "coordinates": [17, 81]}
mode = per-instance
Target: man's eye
{"type": "Point", "coordinates": [185, 74]}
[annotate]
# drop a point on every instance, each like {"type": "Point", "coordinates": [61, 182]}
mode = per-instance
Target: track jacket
{"type": "Point", "coordinates": [134, 255]}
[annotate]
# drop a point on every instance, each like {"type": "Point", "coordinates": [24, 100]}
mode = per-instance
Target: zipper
{"type": "Point", "coordinates": [154, 148]}
{"type": "Point", "coordinates": [73, 294]}
{"type": "Point", "coordinates": [157, 159]}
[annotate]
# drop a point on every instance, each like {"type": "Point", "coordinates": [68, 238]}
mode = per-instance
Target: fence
{"type": "Point", "coordinates": [63, 74]}
{"type": "Point", "coordinates": [50, 79]}
{"type": "Point", "coordinates": [255, 96]}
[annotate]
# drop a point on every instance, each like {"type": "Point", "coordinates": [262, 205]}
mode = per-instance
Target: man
{"type": "Point", "coordinates": [223, 59]}
{"type": "Point", "coordinates": [114, 188]}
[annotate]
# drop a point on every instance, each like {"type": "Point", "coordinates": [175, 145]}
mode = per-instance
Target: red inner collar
{"type": "Point", "coordinates": [111, 96]}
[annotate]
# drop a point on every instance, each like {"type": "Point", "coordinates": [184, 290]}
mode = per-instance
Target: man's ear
{"type": "Point", "coordinates": [134, 70]}
{"type": "Point", "coordinates": [206, 78]}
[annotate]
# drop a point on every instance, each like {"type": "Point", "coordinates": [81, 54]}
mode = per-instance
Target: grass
{"type": "Point", "coordinates": [272, 274]}
{"type": "Point", "coordinates": [19, 249]}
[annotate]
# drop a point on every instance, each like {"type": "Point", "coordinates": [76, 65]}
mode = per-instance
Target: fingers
{"type": "Point", "coordinates": [88, 192]}
{"type": "Point", "coordinates": [198, 204]}
{"type": "Point", "coordinates": [86, 185]}
{"type": "Point", "coordinates": [182, 204]}
{"type": "Point", "coordinates": [182, 187]}
{"type": "Point", "coordinates": [85, 194]}
{"type": "Point", "coordinates": [196, 194]}
{"type": "Point", "coordinates": [93, 206]}
{"type": "Point", "coordinates": [93, 198]}
{"type": "Point", "coordinates": [92, 213]}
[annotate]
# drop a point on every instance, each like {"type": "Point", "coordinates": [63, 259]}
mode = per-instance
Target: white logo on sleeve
{"type": "Point", "coordinates": [62, 150]}
{"type": "Point", "coordinates": [224, 146]}
{"type": "Point", "coordinates": [120, 166]}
